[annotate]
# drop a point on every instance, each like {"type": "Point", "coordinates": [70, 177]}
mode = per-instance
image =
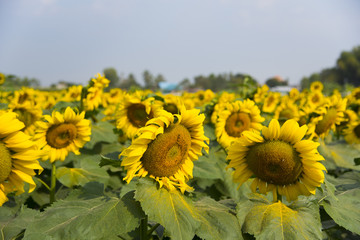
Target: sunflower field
{"type": "Point", "coordinates": [85, 163]}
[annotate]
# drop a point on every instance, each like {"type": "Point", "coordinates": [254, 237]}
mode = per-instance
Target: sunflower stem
{"type": "Point", "coordinates": [53, 183]}
{"type": "Point", "coordinates": [153, 229]}
{"type": "Point", "coordinates": [43, 183]}
{"type": "Point", "coordinates": [143, 228]}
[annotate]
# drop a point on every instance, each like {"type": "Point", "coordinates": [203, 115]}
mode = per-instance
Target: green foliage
{"type": "Point", "coordinates": [83, 217]}
{"type": "Point", "coordinates": [217, 221]}
{"type": "Point", "coordinates": [111, 74]}
{"type": "Point", "coordinates": [341, 200]}
{"type": "Point", "coordinates": [267, 220]}
{"type": "Point", "coordinates": [101, 132]}
{"type": "Point", "coordinates": [172, 210]}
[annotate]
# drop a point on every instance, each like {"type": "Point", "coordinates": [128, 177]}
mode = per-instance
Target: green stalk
{"type": "Point", "coordinates": [143, 228]}
{"type": "Point", "coordinates": [53, 183]}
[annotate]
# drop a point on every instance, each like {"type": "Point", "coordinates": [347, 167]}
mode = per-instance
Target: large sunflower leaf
{"type": "Point", "coordinates": [339, 154]}
{"type": "Point", "coordinates": [217, 221]}
{"type": "Point", "coordinates": [267, 220]}
{"type": "Point", "coordinates": [96, 218]}
{"type": "Point", "coordinates": [101, 132]}
{"type": "Point", "coordinates": [171, 209]}
{"type": "Point", "coordinates": [86, 169]}
{"type": "Point", "coordinates": [12, 225]}
{"type": "Point", "coordinates": [343, 206]}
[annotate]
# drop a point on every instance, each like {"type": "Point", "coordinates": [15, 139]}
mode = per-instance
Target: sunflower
{"type": "Point", "coordinates": [2, 78]}
{"type": "Point", "coordinates": [285, 111]}
{"type": "Point", "coordinates": [279, 159]}
{"type": "Point", "coordinates": [315, 99]}
{"type": "Point", "coordinates": [271, 101]}
{"type": "Point", "coordinates": [28, 113]}
{"type": "Point", "coordinates": [316, 86]}
{"type": "Point", "coordinates": [261, 93]}
{"type": "Point", "coordinates": [203, 97]}
{"type": "Point", "coordinates": [354, 97]}
{"type": "Point", "coordinates": [18, 157]}
{"type": "Point", "coordinates": [235, 118]}
{"type": "Point", "coordinates": [165, 149]}
{"type": "Point", "coordinates": [172, 104]}
{"type": "Point", "coordinates": [73, 93]}
{"type": "Point", "coordinates": [95, 92]}
{"type": "Point", "coordinates": [330, 114]}
{"type": "Point", "coordinates": [133, 112]}
{"type": "Point", "coordinates": [352, 133]}
{"type": "Point", "coordinates": [60, 134]}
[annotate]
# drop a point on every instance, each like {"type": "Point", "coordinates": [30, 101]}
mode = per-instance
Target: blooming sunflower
{"type": "Point", "coordinates": [285, 111]}
{"type": "Point", "coordinates": [352, 132]}
{"type": "Point", "coordinates": [172, 103]}
{"type": "Point", "coordinates": [18, 157]}
{"type": "Point", "coordinates": [261, 93]}
{"type": "Point", "coordinates": [133, 112]}
{"type": "Point", "coordinates": [28, 113]}
{"type": "Point", "coordinates": [235, 118]}
{"type": "Point", "coordinates": [354, 97]}
{"type": "Point", "coordinates": [73, 93]}
{"type": "Point", "coordinates": [330, 114]}
{"type": "Point", "coordinates": [165, 149]}
{"type": "Point", "coordinates": [60, 134]}
{"type": "Point", "coordinates": [316, 86]}
{"type": "Point", "coordinates": [2, 78]}
{"type": "Point", "coordinates": [279, 159]}
{"type": "Point", "coordinates": [271, 102]}
{"type": "Point", "coordinates": [94, 92]}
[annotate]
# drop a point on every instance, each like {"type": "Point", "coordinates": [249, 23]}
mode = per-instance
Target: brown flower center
{"type": "Point", "coordinates": [275, 162]}
{"type": "Point", "coordinates": [61, 135]}
{"type": "Point", "coordinates": [357, 131]}
{"type": "Point", "coordinates": [237, 123]}
{"type": "Point", "coordinates": [137, 115]}
{"type": "Point", "coordinates": [5, 162]}
{"type": "Point", "coordinates": [171, 108]}
{"type": "Point", "coordinates": [328, 120]}
{"type": "Point", "coordinates": [25, 116]}
{"type": "Point", "coordinates": [165, 155]}
{"type": "Point", "coordinates": [285, 114]}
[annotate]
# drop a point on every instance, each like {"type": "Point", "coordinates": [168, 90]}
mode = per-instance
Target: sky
{"type": "Point", "coordinates": [68, 40]}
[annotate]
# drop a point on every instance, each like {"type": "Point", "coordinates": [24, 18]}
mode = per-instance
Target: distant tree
{"type": "Point", "coordinates": [349, 66]}
{"type": "Point", "coordinates": [14, 81]}
{"type": "Point", "coordinates": [276, 81]}
{"type": "Point", "coordinates": [111, 74]}
{"type": "Point", "coordinates": [149, 80]}
{"type": "Point", "coordinates": [185, 84]}
{"type": "Point", "coordinates": [129, 82]}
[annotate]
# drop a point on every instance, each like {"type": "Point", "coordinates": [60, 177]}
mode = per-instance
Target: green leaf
{"type": "Point", "coordinates": [15, 224]}
{"type": "Point", "coordinates": [72, 176]}
{"type": "Point", "coordinates": [267, 220]}
{"type": "Point", "coordinates": [339, 154]}
{"type": "Point", "coordinates": [209, 131]}
{"type": "Point", "coordinates": [60, 106]}
{"type": "Point", "coordinates": [101, 132]}
{"type": "Point", "coordinates": [111, 159]}
{"type": "Point", "coordinates": [171, 209]}
{"type": "Point", "coordinates": [217, 221]}
{"type": "Point", "coordinates": [96, 218]}
{"type": "Point", "coordinates": [343, 206]}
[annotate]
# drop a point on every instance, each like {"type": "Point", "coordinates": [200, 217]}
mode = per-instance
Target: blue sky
{"type": "Point", "coordinates": [71, 40]}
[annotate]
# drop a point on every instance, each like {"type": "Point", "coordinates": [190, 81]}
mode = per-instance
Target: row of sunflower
{"type": "Point", "coordinates": [204, 165]}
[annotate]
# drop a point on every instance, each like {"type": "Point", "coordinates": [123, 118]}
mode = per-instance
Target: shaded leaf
{"type": "Point", "coordinates": [343, 205]}
{"type": "Point", "coordinates": [171, 209]}
{"type": "Point", "coordinates": [339, 154]}
{"type": "Point", "coordinates": [267, 220]}
{"type": "Point", "coordinates": [96, 218]}
{"type": "Point", "coordinates": [217, 221]}
{"type": "Point", "coordinates": [72, 176]}
{"type": "Point", "coordinates": [110, 159]}
{"type": "Point", "coordinates": [101, 132]}
{"type": "Point", "coordinates": [12, 225]}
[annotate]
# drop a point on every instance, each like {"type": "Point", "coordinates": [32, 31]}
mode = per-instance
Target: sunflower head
{"type": "Point", "coordinates": [18, 154]}
{"type": "Point", "coordinates": [165, 149]}
{"type": "Point", "coordinates": [279, 159]}
{"type": "Point", "coordinates": [2, 78]}
{"type": "Point", "coordinates": [60, 134]}
{"type": "Point", "coordinates": [316, 86]}
{"type": "Point", "coordinates": [234, 118]}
